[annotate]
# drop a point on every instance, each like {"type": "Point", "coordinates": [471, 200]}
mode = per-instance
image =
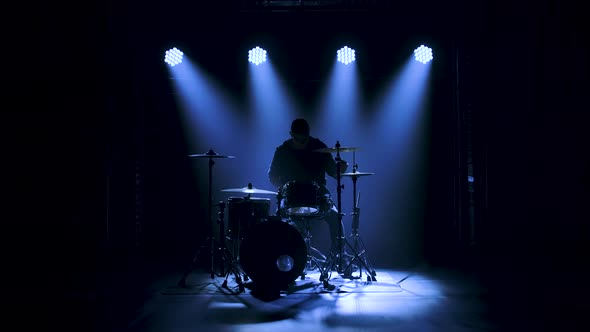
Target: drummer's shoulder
{"type": "Point", "coordinates": [317, 143]}
{"type": "Point", "coordinates": [284, 145]}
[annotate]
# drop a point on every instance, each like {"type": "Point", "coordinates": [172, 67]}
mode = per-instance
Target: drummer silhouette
{"type": "Point", "coordinates": [299, 172]}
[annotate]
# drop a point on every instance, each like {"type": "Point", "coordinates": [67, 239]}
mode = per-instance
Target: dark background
{"type": "Point", "coordinates": [87, 100]}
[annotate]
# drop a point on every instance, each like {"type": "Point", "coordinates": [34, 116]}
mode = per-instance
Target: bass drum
{"type": "Point", "coordinates": [273, 255]}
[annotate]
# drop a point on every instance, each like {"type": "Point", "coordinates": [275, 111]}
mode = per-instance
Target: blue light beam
{"type": "Point", "coordinates": [209, 111]}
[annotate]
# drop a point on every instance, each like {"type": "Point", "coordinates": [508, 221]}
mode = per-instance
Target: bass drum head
{"type": "Point", "coordinates": [273, 255]}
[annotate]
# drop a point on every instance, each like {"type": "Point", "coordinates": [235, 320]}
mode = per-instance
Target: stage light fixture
{"type": "Point", "coordinates": [423, 54]}
{"type": "Point", "coordinates": [346, 55]}
{"type": "Point", "coordinates": [257, 55]}
{"type": "Point", "coordinates": [173, 57]}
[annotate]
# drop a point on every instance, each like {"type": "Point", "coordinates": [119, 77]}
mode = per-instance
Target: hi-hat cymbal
{"type": "Point", "coordinates": [334, 150]}
{"type": "Point", "coordinates": [209, 154]}
{"type": "Point", "coordinates": [356, 174]}
{"type": "Point", "coordinates": [249, 190]}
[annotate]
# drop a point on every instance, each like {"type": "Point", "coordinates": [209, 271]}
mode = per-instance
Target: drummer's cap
{"type": "Point", "coordinates": [300, 126]}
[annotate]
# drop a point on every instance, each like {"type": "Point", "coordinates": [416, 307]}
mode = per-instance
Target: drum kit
{"type": "Point", "coordinates": [268, 248]}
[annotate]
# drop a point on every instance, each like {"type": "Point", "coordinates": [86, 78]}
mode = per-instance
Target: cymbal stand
{"type": "Point", "coordinates": [331, 261]}
{"type": "Point", "coordinates": [358, 247]}
{"type": "Point", "coordinates": [210, 238]}
{"type": "Point", "coordinates": [279, 200]}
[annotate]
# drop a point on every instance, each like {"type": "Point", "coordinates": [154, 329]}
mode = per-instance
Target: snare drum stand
{"type": "Point", "coordinates": [358, 247]}
{"type": "Point", "coordinates": [227, 257]}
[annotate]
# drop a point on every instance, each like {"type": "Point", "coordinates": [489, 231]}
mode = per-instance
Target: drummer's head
{"type": "Point", "coordinates": [300, 131]}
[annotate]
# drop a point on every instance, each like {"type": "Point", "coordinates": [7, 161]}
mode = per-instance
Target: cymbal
{"type": "Point", "coordinates": [333, 150]}
{"type": "Point", "coordinates": [356, 174]}
{"type": "Point", "coordinates": [249, 190]}
{"type": "Point", "coordinates": [209, 154]}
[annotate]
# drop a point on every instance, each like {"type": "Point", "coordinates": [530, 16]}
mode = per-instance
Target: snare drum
{"type": "Point", "coordinates": [244, 213]}
{"type": "Point", "coordinates": [300, 199]}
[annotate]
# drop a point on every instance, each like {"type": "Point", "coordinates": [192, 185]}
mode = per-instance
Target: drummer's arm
{"type": "Point", "coordinates": [331, 166]}
{"type": "Point", "coordinates": [274, 171]}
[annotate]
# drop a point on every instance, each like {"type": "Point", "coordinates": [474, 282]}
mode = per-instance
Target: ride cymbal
{"type": "Point", "coordinates": [356, 174]}
{"type": "Point", "coordinates": [334, 150]}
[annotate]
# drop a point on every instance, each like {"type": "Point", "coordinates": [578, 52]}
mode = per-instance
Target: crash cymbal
{"type": "Point", "coordinates": [249, 190]}
{"type": "Point", "coordinates": [334, 150]}
{"type": "Point", "coordinates": [356, 174]}
{"type": "Point", "coordinates": [209, 154]}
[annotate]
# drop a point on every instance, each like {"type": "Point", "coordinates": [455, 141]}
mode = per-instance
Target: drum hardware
{"type": "Point", "coordinates": [249, 190]}
{"type": "Point", "coordinates": [244, 212]}
{"type": "Point", "coordinates": [300, 202]}
{"type": "Point", "coordinates": [300, 199]}
{"type": "Point", "coordinates": [335, 259]}
{"type": "Point", "coordinates": [337, 149]}
{"type": "Point", "coordinates": [273, 255]}
{"type": "Point", "coordinates": [315, 258]}
{"type": "Point", "coordinates": [358, 247]}
{"type": "Point", "coordinates": [228, 258]}
{"type": "Point", "coordinates": [210, 240]}
{"type": "Point", "coordinates": [279, 197]}
{"type": "Point", "coordinates": [250, 210]}
{"type": "Point", "coordinates": [210, 154]}
{"type": "Point", "coordinates": [355, 175]}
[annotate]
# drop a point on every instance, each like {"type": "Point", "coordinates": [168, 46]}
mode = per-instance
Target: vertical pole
{"type": "Point", "coordinates": [212, 248]}
{"type": "Point", "coordinates": [339, 191]}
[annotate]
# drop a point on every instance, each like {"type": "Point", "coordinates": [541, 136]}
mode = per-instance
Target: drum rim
{"type": "Point", "coordinates": [251, 199]}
